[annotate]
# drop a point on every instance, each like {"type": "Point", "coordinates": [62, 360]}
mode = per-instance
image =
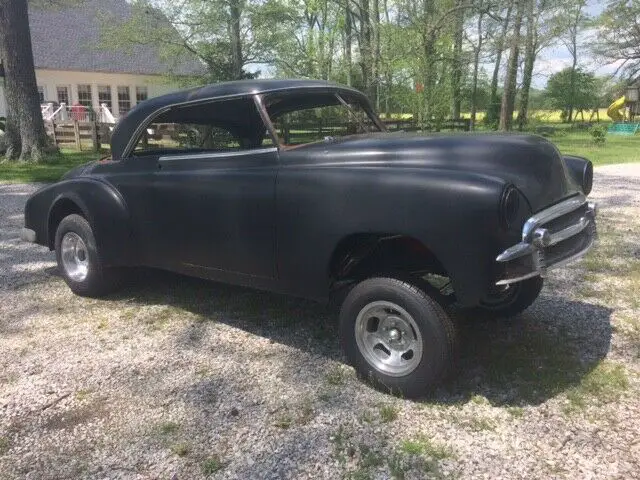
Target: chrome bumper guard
{"type": "Point", "coordinates": [551, 238]}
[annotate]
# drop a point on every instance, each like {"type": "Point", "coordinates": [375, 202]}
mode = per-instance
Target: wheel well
{"type": "Point", "coordinates": [61, 209]}
{"type": "Point", "coordinates": [361, 255]}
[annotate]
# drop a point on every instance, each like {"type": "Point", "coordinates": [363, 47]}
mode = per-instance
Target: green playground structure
{"type": "Point", "coordinates": [623, 112]}
{"type": "Point", "coordinates": [620, 128]}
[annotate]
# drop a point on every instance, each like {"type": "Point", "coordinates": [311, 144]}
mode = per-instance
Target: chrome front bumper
{"type": "Point", "coordinates": [551, 238]}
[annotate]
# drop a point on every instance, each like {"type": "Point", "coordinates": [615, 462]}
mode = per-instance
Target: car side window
{"type": "Point", "coordinates": [185, 137]}
{"type": "Point", "coordinates": [299, 122]}
{"type": "Point", "coordinates": [221, 126]}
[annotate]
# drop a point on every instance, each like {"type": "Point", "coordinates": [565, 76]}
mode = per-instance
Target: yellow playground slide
{"type": "Point", "coordinates": [614, 110]}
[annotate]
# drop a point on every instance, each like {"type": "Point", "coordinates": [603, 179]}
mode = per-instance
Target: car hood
{"type": "Point", "coordinates": [531, 163]}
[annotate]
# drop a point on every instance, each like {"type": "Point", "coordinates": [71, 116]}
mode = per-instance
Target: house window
{"type": "Point", "coordinates": [41, 94]}
{"type": "Point", "coordinates": [84, 95]}
{"type": "Point", "coordinates": [124, 100]}
{"type": "Point", "coordinates": [141, 94]}
{"type": "Point", "coordinates": [104, 96]}
{"type": "Point", "coordinates": [63, 95]}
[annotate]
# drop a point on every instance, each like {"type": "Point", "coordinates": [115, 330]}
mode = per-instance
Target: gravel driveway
{"type": "Point", "coordinates": [184, 379]}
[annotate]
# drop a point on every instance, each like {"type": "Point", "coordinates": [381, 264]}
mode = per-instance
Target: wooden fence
{"type": "Point", "coordinates": [93, 135]}
{"type": "Point", "coordinates": [90, 135]}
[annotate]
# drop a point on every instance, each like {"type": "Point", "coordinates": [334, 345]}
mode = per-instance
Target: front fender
{"type": "Point", "coordinates": [454, 214]}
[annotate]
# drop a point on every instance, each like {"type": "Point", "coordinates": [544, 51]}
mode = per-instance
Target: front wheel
{"type": "Point", "coordinates": [79, 261]}
{"type": "Point", "coordinates": [511, 299]}
{"type": "Point", "coordinates": [396, 336]}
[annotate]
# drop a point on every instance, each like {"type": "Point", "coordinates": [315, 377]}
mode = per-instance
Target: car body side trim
{"type": "Point", "coordinates": [213, 155]}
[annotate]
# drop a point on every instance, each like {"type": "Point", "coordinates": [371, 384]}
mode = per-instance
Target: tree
{"type": "Point", "coordinates": [543, 26]}
{"type": "Point", "coordinates": [576, 19]}
{"type": "Point", "coordinates": [226, 35]}
{"type": "Point", "coordinates": [457, 66]}
{"type": "Point", "coordinates": [509, 94]}
{"type": "Point", "coordinates": [619, 36]}
{"type": "Point", "coordinates": [24, 131]}
{"type": "Point", "coordinates": [570, 90]}
{"type": "Point", "coordinates": [493, 112]}
{"type": "Point", "coordinates": [481, 36]}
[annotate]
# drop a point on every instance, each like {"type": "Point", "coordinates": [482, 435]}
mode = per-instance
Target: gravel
{"type": "Point", "coordinates": [184, 379]}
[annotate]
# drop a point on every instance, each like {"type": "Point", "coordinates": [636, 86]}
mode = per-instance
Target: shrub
{"type": "Point", "coordinates": [598, 134]}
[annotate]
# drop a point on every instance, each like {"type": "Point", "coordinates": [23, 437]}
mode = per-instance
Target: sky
{"type": "Point", "coordinates": [554, 59]}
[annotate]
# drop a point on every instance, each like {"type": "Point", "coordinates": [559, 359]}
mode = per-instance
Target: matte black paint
{"type": "Point", "coordinates": [274, 219]}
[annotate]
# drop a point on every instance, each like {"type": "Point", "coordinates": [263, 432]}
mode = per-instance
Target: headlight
{"type": "Point", "coordinates": [581, 170]}
{"type": "Point", "coordinates": [509, 206]}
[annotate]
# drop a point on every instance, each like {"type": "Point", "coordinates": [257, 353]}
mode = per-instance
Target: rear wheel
{"type": "Point", "coordinates": [511, 299]}
{"type": "Point", "coordinates": [79, 261]}
{"type": "Point", "coordinates": [396, 336]}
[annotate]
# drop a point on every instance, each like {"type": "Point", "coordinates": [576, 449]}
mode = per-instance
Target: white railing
{"type": "Point", "coordinates": [105, 115]}
{"type": "Point", "coordinates": [77, 113]}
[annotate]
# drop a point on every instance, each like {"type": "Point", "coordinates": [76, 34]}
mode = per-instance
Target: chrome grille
{"type": "Point", "coordinates": [551, 238]}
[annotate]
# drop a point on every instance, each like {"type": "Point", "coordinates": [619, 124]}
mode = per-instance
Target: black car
{"type": "Point", "coordinates": [294, 186]}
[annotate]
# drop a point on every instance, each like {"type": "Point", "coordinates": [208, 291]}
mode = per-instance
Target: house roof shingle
{"type": "Point", "coordinates": [70, 39]}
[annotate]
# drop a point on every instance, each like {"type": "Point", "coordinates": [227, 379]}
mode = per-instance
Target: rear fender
{"type": "Point", "coordinates": [107, 213]}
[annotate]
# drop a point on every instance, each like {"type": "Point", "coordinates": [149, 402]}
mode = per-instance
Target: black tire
{"type": "Point", "coordinates": [99, 280]}
{"type": "Point", "coordinates": [516, 299]}
{"type": "Point", "coordinates": [436, 330]}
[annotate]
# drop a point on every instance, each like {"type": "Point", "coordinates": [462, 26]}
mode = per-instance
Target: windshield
{"type": "Point", "coordinates": [300, 120]}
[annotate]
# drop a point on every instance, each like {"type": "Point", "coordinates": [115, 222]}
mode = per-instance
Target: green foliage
{"type": "Point", "coordinates": [388, 413]}
{"type": "Point", "coordinates": [212, 465]}
{"type": "Point", "coordinates": [618, 38]}
{"type": "Point", "coordinates": [598, 134]}
{"type": "Point", "coordinates": [571, 91]}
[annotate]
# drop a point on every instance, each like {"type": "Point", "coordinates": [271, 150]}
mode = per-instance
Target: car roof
{"type": "Point", "coordinates": [129, 123]}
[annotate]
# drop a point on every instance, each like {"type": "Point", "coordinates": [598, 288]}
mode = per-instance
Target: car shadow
{"type": "Point", "coordinates": [521, 361]}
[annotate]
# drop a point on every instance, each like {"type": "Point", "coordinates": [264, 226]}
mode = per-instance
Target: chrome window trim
{"type": "Point", "coordinates": [149, 118]}
{"type": "Point", "coordinates": [213, 155]}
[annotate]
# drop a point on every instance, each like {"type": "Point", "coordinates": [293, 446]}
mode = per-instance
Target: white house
{"type": "Point", "coordinates": [73, 68]}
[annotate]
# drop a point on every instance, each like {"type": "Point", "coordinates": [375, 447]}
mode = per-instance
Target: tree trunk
{"type": "Point", "coordinates": [235, 11]}
{"type": "Point", "coordinates": [529, 60]}
{"type": "Point", "coordinates": [456, 73]}
{"type": "Point", "coordinates": [375, 72]}
{"type": "Point", "coordinates": [574, 64]}
{"type": "Point", "coordinates": [25, 132]}
{"type": "Point", "coordinates": [348, 31]}
{"type": "Point", "coordinates": [494, 104]}
{"type": "Point", "coordinates": [429, 46]}
{"type": "Point", "coordinates": [509, 95]}
{"type": "Point", "coordinates": [365, 45]}
{"type": "Point", "coordinates": [476, 65]}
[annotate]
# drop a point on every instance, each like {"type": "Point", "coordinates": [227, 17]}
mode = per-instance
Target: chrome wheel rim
{"type": "Point", "coordinates": [388, 338]}
{"type": "Point", "coordinates": [75, 257]}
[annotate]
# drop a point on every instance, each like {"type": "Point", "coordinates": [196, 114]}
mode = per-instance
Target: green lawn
{"type": "Point", "coordinates": [617, 149]}
{"type": "Point", "coordinates": [49, 171]}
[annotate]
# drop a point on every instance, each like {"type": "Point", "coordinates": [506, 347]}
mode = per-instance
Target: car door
{"type": "Point", "coordinates": [214, 193]}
